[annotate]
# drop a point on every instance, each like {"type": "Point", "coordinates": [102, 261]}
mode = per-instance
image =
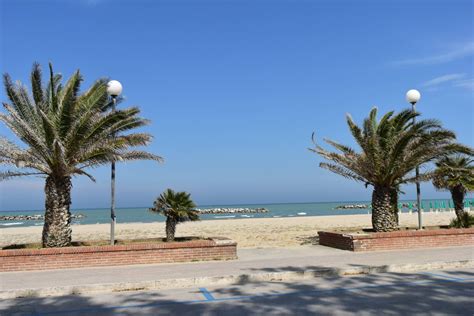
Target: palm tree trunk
{"type": "Point", "coordinates": [457, 193]}
{"type": "Point", "coordinates": [57, 218]}
{"type": "Point", "coordinates": [383, 215]}
{"type": "Point", "coordinates": [394, 202]}
{"type": "Point", "coordinates": [170, 228]}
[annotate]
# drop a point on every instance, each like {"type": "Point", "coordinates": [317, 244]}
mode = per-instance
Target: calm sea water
{"type": "Point", "coordinates": [142, 215]}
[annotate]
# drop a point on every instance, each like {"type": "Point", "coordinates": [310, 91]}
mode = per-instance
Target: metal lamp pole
{"type": "Point", "coordinates": [413, 96]}
{"type": "Point", "coordinates": [114, 88]}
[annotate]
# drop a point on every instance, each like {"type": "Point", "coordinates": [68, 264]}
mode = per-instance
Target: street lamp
{"type": "Point", "coordinates": [413, 96]}
{"type": "Point", "coordinates": [114, 89]}
{"type": "Point", "coordinates": [20, 164]}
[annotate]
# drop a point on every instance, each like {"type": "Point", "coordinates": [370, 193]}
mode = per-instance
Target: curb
{"type": "Point", "coordinates": [229, 279]}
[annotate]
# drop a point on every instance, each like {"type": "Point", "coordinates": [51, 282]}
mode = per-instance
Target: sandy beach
{"type": "Point", "coordinates": [249, 233]}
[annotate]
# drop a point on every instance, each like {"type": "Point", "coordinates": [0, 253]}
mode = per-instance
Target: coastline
{"type": "Point", "coordinates": [249, 233]}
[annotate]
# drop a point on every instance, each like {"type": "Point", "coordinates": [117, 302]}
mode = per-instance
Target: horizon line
{"type": "Point", "coordinates": [233, 204]}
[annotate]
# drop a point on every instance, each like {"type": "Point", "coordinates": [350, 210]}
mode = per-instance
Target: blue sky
{"type": "Point", "coordinates": [234, 89]}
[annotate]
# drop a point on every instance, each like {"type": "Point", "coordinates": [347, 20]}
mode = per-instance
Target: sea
{"type": "Point", "coordinates": [276, 210]}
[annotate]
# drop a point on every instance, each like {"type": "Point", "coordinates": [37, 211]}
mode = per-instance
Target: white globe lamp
{"type": "Point", "coordinates": [114, 88]}
{"type": "Point", "coordinates": [413, 96]}
{"type": "Point", "coordinates": [20, 164]}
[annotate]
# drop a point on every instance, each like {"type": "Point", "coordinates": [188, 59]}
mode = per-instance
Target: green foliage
{"type": "Point", "coordinates": [65, 131]}
{"type": "Point", "coordinates": [454, 171]}
{"type": "Point", "coordinates": [177, 206]}
{"type": "Point", "coordinates": [466, 221]}
{"type": "Point", "coordinates": [390, 149]}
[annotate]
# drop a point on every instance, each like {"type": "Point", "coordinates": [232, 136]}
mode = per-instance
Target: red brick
{"type": "Point", "coordinates": [140, 253]}
{"type": "Point", "coordinates": [399, 239]}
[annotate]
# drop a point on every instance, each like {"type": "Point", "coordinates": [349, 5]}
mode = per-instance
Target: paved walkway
{"type": "Point", "coordinates": [251, 263]}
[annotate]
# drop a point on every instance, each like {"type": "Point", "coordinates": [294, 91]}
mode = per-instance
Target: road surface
{"type": "Point", "coordinates": [448, 292]}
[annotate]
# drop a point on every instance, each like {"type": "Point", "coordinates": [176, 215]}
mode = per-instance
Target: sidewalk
{"type": "Point", "coordinates": [253, 264]}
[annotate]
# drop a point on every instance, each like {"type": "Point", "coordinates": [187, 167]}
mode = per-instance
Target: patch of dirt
{"type": "Point", "coordinates": [93, 243]}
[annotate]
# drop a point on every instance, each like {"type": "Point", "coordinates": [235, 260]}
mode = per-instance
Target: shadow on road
{"type": "Point", "coordinates": [446, 293]}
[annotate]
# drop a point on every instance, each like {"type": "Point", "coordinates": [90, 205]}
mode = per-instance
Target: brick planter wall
{"type": "Point", "coordinates": [139, 253]}
{"type": "Point", "coordinates": [399, 239]}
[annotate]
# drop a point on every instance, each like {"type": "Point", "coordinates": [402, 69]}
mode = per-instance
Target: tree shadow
{"type": "Point", "coordinates": [308, 240]}
{"type": "Point", "coordinates": [444, 293]}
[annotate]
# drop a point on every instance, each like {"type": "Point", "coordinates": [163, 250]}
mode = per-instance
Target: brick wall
{"type": "Point", "coordinates": [140, 253]}
{"type": "Point", "coordinates": [399, 239]}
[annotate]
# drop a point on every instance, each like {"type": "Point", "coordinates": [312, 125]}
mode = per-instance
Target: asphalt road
{"type": "Point", "coordinates": [448, 292]}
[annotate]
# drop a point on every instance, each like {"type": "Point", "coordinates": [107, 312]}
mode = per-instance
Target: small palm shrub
{"type": "Point", "coordinates": [456, 174]}
{"type": "Point", "coordinates": [177, 207]}
{"type": "Point", "coordinates": [466, 220]}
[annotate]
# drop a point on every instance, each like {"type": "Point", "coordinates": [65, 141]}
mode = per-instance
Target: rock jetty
{"type": "Point", "coordinates": [37, 217]}
{"type": "Point", "coordinates": [352, 207]}
{"type": "Point", "coordinates": [237, 210]}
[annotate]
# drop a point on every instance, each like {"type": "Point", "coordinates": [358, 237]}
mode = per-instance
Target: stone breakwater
{"type": "Point", "coordinates": [37, 217]}
{"type": "Point", "coordinates": [237, 210]}
{"type": "Point", "coordinates": [352, 207]}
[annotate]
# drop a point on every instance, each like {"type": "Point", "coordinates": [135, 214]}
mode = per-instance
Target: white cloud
{"type": "Point", "coordinates": [88, 3]}
{"type": "Point", "coordinates": [460, 52]}
{"type": "Point", "coordinates": [443, 79]}
{"type": "Point", "coordinates": [467, 84]}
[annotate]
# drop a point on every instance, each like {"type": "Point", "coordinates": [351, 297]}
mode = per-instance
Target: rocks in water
{"type": "Point", "coordinates": [37, 217]}
{"type": "Point", "coordinates": [352, 207]}
{"type": "Point", "coordinates": [237, 210]}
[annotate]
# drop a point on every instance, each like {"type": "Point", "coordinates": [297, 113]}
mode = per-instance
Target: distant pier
{"type": "Point", "coordinates": [352, 207]}
{"type": "Point", "coordinates": [232, 210]}
{"type": "Point", "coordinates": [37, 217]}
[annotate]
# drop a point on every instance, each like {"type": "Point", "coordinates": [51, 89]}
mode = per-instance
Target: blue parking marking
{"type": "Point", "coordinates": [207, 294]}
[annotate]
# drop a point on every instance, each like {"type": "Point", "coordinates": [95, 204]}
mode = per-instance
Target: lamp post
{"type": "Point", "coordinates": [413, 96]}
{"type": "Point", "coordinates": [114, 89]}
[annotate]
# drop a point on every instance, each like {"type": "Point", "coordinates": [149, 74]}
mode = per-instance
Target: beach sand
{"type": "Point", "coordinates": [249, 233]}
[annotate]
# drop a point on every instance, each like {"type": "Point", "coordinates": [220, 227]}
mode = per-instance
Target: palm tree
{"type": "Point", "coordinates": [65, 132]}
{"type": "Point", "coordinates": [391, 148]}
{"type": "Point", "coordinates": [456, 174]}
{"type": "Point", "coordinates": [177, 207]}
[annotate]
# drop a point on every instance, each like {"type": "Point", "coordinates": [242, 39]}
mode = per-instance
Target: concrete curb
{"type": "Point", "coordinates": [229, 279]}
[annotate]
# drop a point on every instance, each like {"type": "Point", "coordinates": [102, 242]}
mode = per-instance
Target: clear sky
{"type": "Point", "coordinates": [234, 89]}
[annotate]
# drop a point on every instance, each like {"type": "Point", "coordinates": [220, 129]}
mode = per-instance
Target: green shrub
{"type": "Point", "coordinates": [466, 220]}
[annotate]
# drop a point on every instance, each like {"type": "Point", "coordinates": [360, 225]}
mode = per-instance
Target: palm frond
{"type": "Point", "coordinates": [390, 149]}
{"type": "Point", "coordinates": [66, 131]}
{"type": "Point", "coordinates": [37, 86]}
{"type": "Point", "coordinates": [7, 175]}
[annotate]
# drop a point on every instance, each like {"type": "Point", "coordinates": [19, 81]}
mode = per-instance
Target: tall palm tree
{"type": "Point", "coordinates": [456, 174]}
{"type": "Point", "coordinates": [178, 207]}
{"type": "Point", "coordinates": [390, 149]}
{"type": "Point", "coordinates": [64, 133]}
